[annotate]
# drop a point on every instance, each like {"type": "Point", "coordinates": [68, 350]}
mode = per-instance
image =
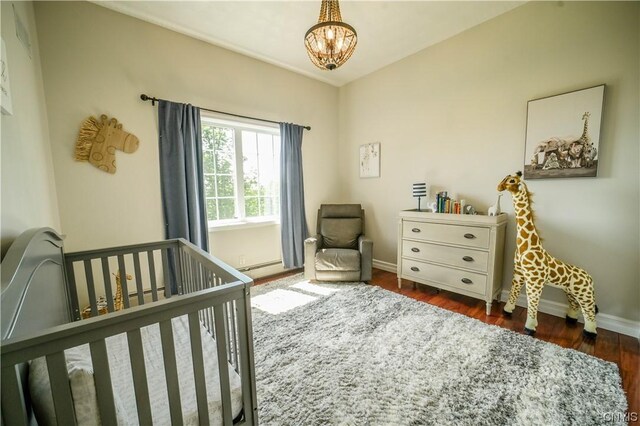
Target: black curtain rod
{"type": "Point", "coordinates": [154, 100]}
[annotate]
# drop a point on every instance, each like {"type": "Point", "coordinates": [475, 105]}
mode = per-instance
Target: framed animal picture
{"type": "Point", "coordinates": [563, 135]}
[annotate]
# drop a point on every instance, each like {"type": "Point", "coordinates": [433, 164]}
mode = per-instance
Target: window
{"type": "Point", "coordinates": [241, 172]}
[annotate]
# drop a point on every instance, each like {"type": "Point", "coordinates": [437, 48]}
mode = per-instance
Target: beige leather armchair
{"type": "Point", "coordinates": [340, 251]}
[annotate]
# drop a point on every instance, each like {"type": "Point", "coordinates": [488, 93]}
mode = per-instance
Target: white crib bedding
{"type": "Point", "coordinates": [83, 389]}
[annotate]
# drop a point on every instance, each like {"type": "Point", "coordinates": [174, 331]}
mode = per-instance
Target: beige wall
{"type": "Point", "coordinates": [27, 179]}
{"type": "Point", "coordinates": [99, 61]}
{"type": "Point", "coordinates": [454, 115]}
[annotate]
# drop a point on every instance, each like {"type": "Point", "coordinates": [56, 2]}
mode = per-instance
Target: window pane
{"type": "Point", "coordinates": [251, 187]}
{"type": "Point", "coordinates": [270, 206]}
{"type": "Point", "coordinates": [265, 163]}
{"type": "Point", "coordinates": [259, 182]}
{"type": "Point", "coordinates": [209, 162]}
{"type": "Point", "coordinates": [249, 143]}
{"type": "Point", "coordinates": [252, 207]}
{"type": "Point", "coordinates": [207, 137]}
{"type": "Point", "coordinates": [250, 165]}
{"type": "Point", "coordinates": [224, 148]}
{"type": "Point", "coordinates": [225, 186]}
{"type": "Point", "coordinates": [227, 207]}
{"type": "Point", "coordinates": [212, 213]}
{"type": "Point", "coordinates": [209, 186]}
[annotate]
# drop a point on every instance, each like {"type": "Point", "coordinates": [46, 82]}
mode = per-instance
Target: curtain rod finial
{"type": "Point", "coordinates": [147, 98]}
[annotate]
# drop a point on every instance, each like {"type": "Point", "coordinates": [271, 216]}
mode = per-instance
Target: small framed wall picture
{"type": "Point", "coordinates": [370, 160]}
{"type": "Point", "coordinates": [563, 135]}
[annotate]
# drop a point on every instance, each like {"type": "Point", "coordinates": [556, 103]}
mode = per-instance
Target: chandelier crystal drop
{"type": "Point", "coordinates": [331, 42]}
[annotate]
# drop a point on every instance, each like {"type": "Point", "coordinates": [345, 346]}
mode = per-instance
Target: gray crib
{"type": "Point", "coordinates": [163, 284]}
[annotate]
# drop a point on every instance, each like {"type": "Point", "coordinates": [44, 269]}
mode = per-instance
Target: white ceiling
{"type": "Point", "coordinates": [273, 31]}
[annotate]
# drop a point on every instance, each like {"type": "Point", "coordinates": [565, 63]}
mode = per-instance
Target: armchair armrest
{"type": "Point", "coordinates": [365, 246]}
{"type": "Point", "coordinates": [311, 246]}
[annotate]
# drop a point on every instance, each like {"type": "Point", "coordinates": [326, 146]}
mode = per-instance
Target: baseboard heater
{"type": "Point", "coordinates": [260, 265]}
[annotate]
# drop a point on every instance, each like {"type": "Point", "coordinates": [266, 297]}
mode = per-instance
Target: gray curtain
{"type": "Point", "coordinates": [181, 175]}
{"type": "Point", "coordinates": [292, 216]}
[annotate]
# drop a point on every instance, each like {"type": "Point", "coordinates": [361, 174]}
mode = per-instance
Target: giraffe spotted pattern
{"type": "Point", "coordinates": [535, 267]}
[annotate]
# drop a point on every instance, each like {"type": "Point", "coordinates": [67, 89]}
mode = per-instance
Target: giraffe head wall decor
{"type": "Point", "coordinates": [98, 141]}
{"type": "Point", "coordinates": [535, 267]}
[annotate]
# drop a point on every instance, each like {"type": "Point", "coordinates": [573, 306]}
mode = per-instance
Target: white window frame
{"type": "Point", "coordinates": [238, 126]}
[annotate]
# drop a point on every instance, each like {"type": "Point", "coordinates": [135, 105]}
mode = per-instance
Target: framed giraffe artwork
{"type": "Point", "coordinates": [563, 134]}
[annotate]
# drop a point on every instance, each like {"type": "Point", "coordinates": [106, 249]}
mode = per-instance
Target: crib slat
{"type": "Point", "coordinates": [223, 366]}
{"type": "Point", "coordinates": [88, 273]}
{"type": "Point", "coordinates": [200, 276]}
{"type": "Point", "coordinates": [208, 315]}
{"type": "Point", "coordinates": [184, 267]}
{"type": "Point", "coordinates": [106, 276]}
{"type": "Point", "coordinates": [249, 398]}
{"type": "Point", "coordinates": [225, 315]}
{"type": "Point", "coordinates": [166, 273]}
{"type": "Point", "coordinates": [192, 274]}
{"type": "Point", "coordinates": [178, 267]}
{"type": "Point", "coordinates": [198, 368]}
{"type": "Point", "coordinates": [182, 257]}
{"type": "Point", "coordinates": [189, 273]}
{"type": "Point", "coordinates": [136, 268]}
{"type": "Point", "coordinates": [152, 275]}
{"type": "Point", "coordinates": [188, 279]}
{"type": "Point", "coordinates": [123, 281]}
{"type": "Point", "coordinates": [234, 333]}
{"type": "Point", "coordinates": [139, 370]}
{"type": "Point", "coordinates": [73, 292]}
{"type": "Point", "coordinates": [13, 407]}
{"type": "Point", "coordinates": [102, 376]}
{"type": "Point", "coordinates": [59, 378]}
{"type": "Point", "coordinates": [171, 372]}
{"type": "Point", "coordinates": [203, 281]}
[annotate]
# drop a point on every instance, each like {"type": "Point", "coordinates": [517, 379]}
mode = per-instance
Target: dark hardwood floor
{"type": "Point", "coordinates": [610, 346]}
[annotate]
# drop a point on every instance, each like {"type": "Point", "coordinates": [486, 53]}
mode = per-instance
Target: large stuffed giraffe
{"type": "Point", "coordinates": [535, 267]}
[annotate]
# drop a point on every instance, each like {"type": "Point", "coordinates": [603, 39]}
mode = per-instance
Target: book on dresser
{"type": "Point", "coordinates": [458, 253]}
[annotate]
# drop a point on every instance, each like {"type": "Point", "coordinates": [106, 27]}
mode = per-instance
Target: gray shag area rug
{"type": "Point", "coordinates": [354, 354]}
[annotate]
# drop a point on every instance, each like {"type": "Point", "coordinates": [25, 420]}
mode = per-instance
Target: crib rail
{"type": "Point", "coordinates": [51, 343]}
{"type": "Point", "coordinates": [158, 282]}
{"type": "Point", "coordinates": [157, 270]}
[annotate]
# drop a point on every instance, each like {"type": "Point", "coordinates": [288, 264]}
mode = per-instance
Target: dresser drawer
{"type": "Point", "coordinates": [454, 256]}
{"type": "Point", "coordinates": [470, 281]}
{"type": "Point", "coordinates": [470, 236]}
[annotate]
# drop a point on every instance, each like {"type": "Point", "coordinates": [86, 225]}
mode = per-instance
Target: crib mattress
{"type": "Point", "coordinates": [122, 381]}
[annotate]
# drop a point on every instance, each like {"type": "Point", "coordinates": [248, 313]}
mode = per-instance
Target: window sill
{"type": "Point", "coordinates": [242, 224]}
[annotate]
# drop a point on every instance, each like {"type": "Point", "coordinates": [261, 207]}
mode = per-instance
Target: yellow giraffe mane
{"type": "Point", "coordinates": [529, 195]}
{"type": "Point", "coordinates": [88, 132]}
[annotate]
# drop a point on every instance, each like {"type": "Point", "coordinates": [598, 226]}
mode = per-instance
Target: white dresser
{"type": "Point", "coordinates": [458, 253]}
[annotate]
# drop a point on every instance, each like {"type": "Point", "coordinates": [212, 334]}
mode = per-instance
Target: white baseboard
{"type": "Point", "coordinates": [265, 271]}
{"type": "Point", "coordinates": [385, 266]}
{"type": "Point", "coordinates": [605, 321]}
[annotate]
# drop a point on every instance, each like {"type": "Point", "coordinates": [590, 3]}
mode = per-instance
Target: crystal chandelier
{"type": "Point", "coordinates": [331, 42]}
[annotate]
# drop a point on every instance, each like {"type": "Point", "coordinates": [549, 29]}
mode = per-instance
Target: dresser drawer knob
{"type": "Point", "coordinates": [467, 281]}
{"type": "Point", "coordinates": [467, 259]}
{"type": "Point", "coordinates": [415, 230]}
{"type": "Point", "coordinates": [469, 236]}
{"type": "Point", "coordinates": [415, 249]}
{"type": "Point", "coordinates": [415, 268]}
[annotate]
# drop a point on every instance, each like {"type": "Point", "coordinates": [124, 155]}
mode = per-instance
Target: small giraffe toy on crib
{"type": "Point", "coordinates": [495, 210]}
{"type": "Point", "coordinates": [535, 267]}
